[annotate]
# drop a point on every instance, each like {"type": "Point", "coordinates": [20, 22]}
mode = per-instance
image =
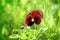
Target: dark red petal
{"type": "Point", "coordinates": [37, 12]}
{"type": "Point", "coordinates": [30, 23]}
{"type": "Point", "coordinates": [38, 19]}
{"type": "Point", "coordinates": [28, 19]}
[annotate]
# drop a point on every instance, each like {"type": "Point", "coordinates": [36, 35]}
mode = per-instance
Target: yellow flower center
{"type": "Point", "coordinates": [32, 20]}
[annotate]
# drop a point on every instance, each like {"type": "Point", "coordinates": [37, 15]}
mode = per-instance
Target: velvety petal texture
{"type": "Point", "coordinates": [36, 15]}
{"type": "Point", "coordinates": [37, 12]}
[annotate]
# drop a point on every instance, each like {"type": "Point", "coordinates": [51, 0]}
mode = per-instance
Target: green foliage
{"type": "Point", "coordinates": [12, 19]}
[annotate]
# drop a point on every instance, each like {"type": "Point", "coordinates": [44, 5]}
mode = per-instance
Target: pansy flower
{"type": "Point", "coordinates": [34, 17]}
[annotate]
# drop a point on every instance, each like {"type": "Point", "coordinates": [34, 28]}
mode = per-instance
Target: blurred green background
{"type": "Point", "coordinates": [12, 19]}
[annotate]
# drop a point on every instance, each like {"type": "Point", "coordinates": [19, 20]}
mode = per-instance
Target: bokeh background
{"type": "Point", "coordinates": [12, 20]}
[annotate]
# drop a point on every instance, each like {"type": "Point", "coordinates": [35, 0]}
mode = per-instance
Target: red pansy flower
{"type": "Point", "coordinates": [34, 17]}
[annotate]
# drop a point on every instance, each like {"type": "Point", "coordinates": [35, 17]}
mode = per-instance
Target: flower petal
{"type": "Point", "coordinates": [37, 12]}
{"type": "Point", "coordinates": [38, 19]}
{"type": "Point", "coordinates": [28, 19]}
